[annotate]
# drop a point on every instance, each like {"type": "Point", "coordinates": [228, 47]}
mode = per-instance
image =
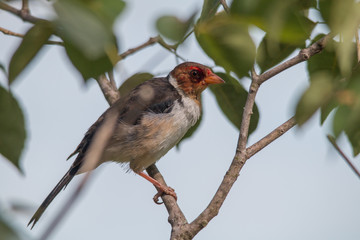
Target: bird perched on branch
{"type": "Point", "coordinates": [151, 120]}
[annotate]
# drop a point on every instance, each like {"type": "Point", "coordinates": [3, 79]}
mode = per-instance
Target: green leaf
{"type": "Point", "coordinates": [317, 95]}
{"type": "Point", "coordinates": [343, 18]}
{"type": "Point", "coordinates": [354, 138]}
{"type": "Point", "coordinates": [32, 42]}
{"type": "Point", "coordinates": [7, 232]}
{"type": "Point", "coordinates": [106, 10]}
{"type": "Point", "coordinates": [209, 9]}
{"type": "Point", "coordinates": [326, 109]}
{"type": "Point", "coordinates": [12, 128]}
{"type": "Point", "coordinates": [231, 98]}
{"type": "Point", "coordinates": [87, 34]}
{"type": "Point", "coordinates": [326, 60]}
{"type": "Point", "coordinates": [88, 67]}
{"type": "Point", "coordinates": [2, 68]}
{"type": "Point", "coordinates": [174, 28]}
{"type": "Point", "coordinates": [130, 83]}
{"type": "Point", "coordinates": [283, 21]}
{"type": "Point", "coordinates": [228, 43]}
{"type": "Point", "coordinates": [270, 53]}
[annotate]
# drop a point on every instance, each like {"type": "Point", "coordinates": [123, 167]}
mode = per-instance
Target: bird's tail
{"type": "Point", "coordinates": [62, 184]}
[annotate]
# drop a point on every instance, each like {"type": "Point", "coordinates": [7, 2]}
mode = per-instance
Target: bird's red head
{"type": "Point", "coordinates": [193, 78]}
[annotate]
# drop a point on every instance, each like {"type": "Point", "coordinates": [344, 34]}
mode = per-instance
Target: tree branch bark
{"type": "Point", "coordinates": [303, 55]}
{"type": "Point", "coordinates": [10, 33]}
{"type": "Point", "coordinates": [275, 134]}
{"type": "Point", "coordinates": [238, 162]}
{"type": "Point", "coordinates": [347, 160]}
{"type": "Point", "coordinates": [22, 13]}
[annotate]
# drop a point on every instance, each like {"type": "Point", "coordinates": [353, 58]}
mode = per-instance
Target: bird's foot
{"type": "Point", "coordinates": [164, 190]}
{"type": "Point", "coordinates": [160, 187]}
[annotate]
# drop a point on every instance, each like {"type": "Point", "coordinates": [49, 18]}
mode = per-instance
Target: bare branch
{"type": "Point", "coordinates": [91, 159]}
{"type": "Point", "coordinates": [233, 172]}
{"type": "Point", "coordinates": [347, 160]}
{"type": "Point", "coordinates": [275, 134]}
{"type": "Point", "coordinates": [111, 94]}
{"type": "Point", "coordinates": [24, 15]}
{"type": "Point", "coordinates": [176, 218]}
{"type": "Point", "coordinates": [149, 42]}
{"type": "Point", "coordinates": [25, 7]}
{"type": "Point", "coordinates": [225, 6]}
{"type": "Point", "coordinates": [112, 79]}
{"type": "Point", "coordinates": [303, 55]}
{"type": "Point", "coordinates": [10, 33]}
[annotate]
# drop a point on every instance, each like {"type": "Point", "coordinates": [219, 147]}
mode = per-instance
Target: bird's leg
{"type": "Point", "coordinates": [161, 188]}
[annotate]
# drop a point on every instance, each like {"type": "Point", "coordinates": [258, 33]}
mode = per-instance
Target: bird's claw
{"type": "Point", "coordinates": [164, 190]}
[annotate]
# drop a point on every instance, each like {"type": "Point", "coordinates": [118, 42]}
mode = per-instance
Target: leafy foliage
{"type": "Point", "coordinates": [227, 41]}
{"type": "Point", "coordinates": [12, 128]}
{"type": "Point", "coordinates": [174, 28]}
{"type": "Point", "coordinates": [231, 98]}
{"type": "Point", "coordinates": [32, 42]}
{"type": "Point", "coordinates": [331, 88]}
{"type": "Point", "coordinates": [86, 29]}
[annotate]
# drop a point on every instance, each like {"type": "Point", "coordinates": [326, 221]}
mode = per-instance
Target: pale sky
{"type": "Point", "coordinates": [296, 188]}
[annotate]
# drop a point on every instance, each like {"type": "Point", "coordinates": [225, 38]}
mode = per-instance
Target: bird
{"type": "Point", "coordinates": [151, 119]}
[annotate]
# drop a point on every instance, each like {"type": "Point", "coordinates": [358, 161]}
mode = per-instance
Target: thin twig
{"type": "Point", "coordinates": [112, 79]}
{"type": "Point", "coordinates": [275, 134]}
{"type": "Point", "coordinates": [26, 16]}
{"type": "Point", "coordinates": [25, 7]}
{"type": "Point", "coordinates": [303, 55]}
{"type": "Point", "coordinates": [225, 6]}
{"type": "Point", "coordinates": [10, 33]}
{"type": "Point", "coordinates": [91, 159]}
{"type": "Point", "coordinates": [111, 94]}
{"type": "Point", "coordinates": [170, 48]}
{"type": "Point", "coordinates": [149, 42]}
{"type": "Point", "coordinates": [347, 160]}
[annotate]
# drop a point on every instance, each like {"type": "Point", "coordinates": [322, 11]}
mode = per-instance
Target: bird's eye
{"type": "Point", "coordinates": [195, 74]}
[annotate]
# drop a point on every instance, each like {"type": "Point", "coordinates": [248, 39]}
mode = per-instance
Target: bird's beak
{"type": "Point", "coordinates": [213, 79]}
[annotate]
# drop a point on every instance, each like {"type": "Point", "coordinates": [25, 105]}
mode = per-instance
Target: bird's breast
{"type": "Point", "coordinates": [145, 143]}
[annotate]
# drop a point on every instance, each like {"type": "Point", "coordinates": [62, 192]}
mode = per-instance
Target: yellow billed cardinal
{"type": "Point", "coordinates": [152, 119]}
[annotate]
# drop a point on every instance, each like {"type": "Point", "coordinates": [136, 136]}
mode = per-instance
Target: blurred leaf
{"type": "Point", "coordinates": [12, 128]}
{"type": "Point", "coordinates": [2, 68]}
{"type": "Point", "coordinates": [343, 18]}
{"type": "Point", "coordinates": [87, 34]}
{"type": "Point", "coordinates": [354, 139]}
{"type": "Point", "coordinates": [89, 68]}
{"type": "Point", "coordinates": [326, 109]}
{"type": "Point", "coordinates": [317, 95]}
{"type": "Point", "coordinates": [174, 28]}
{"type": "Point", "coordinates": [106, 10]}
{"type": "Point", "coordinates": [231, 98]}
{"type": "Point", "coordinates": [6, 231]}
{"type": "Point", "coordinates": [209, 9]}
{"type": "Point", "coordinates": [326, 60]}
{"type": "Point", "coordinates": [283, 21]}
{"type": "Point", "coordinates": [271, 53]}
{"type": "Point", "coordinates": [296, 29]}
{"type": "Point", "coordinates": [130, 83]}
{"type": "Point", "coordinates": [32, 42]}
{"type": "Point", "coordinates": [306, 4]}
{"type": "Point", "coordinates": [228, 43]}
